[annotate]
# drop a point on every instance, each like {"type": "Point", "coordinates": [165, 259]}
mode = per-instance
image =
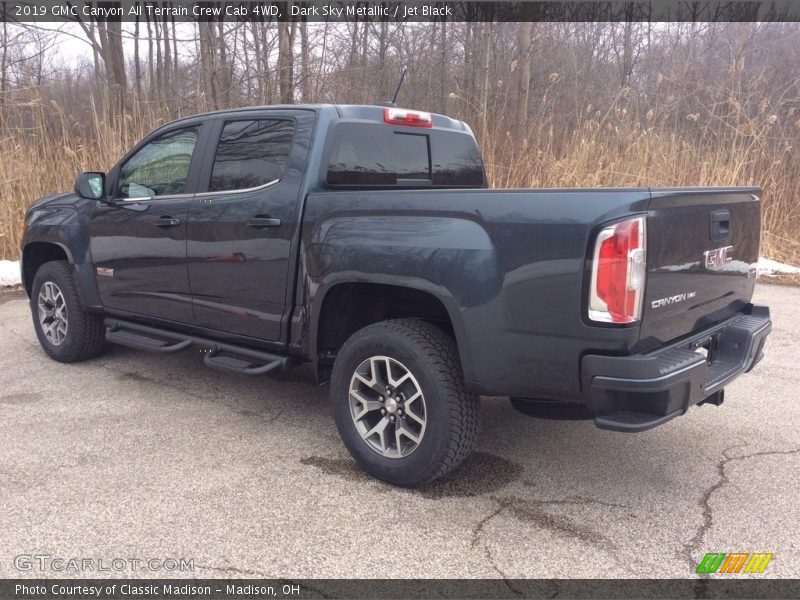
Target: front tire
{"type": "Point", "coordinates": [66, 332]}
{"type": "Point", "coordinates": [399, 402]}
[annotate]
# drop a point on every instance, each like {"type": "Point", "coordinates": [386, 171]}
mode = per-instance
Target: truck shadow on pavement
{"type": "Point", "coordinates": [569, 461]}
{"type": "Point", "coordinates": [481, 474]}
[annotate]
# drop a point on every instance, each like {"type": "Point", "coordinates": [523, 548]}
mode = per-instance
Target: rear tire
{"type": "Point", "coordinates": [426, 423]}
{"type": "Point", "coordinates": [66, 332]}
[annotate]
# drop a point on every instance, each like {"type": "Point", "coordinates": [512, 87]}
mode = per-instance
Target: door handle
{"type": "Point", "coordinates": [167, 222]}
{"type": "Point", "coordinates": [263, 222]}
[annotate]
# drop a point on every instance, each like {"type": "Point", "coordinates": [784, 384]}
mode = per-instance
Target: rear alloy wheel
{"type": "Point", "coordinates": [399, 402]}
{"type": "Point", "coordinates": [66, 332]}
{"type": "Point", "coordinates": [387, 406]}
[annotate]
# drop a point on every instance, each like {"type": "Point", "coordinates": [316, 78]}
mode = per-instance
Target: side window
{"type": "Point", "coordinates": [251, 154]}
{"type": "Point", "coordinates": [161, 167]}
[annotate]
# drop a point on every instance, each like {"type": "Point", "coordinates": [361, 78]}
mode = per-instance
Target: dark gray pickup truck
{"type": "Point", "coordinates": [363, 239]}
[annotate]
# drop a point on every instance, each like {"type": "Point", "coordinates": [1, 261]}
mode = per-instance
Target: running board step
{"type": "Point", "coordinates": [220, 356]}
{"type": "Point", "coordinates": [145, 342]}
{"type": "Point", "coordinates": [224, 362]}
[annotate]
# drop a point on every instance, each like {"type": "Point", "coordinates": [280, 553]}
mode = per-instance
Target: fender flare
{"type": "Point", "coordinates": [441, 294]}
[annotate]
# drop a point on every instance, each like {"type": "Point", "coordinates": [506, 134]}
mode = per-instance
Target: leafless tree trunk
{"type": "Point", "coordinates": [485, 85]}
{"type": "Point", "coordinates": [626, 64]}
{"type": "Point", "coordinates": [223, 73]}
{"type": "Point", "coordinates": [364, 88]}
{"type": "Point", "coordinates": [4, 48]}
{"type": "Point", "coordinates": [208, 64]}
{"type": "Point", "coordinates": [351, 64]}
{"type": "Point", "coordinates": [137, 72]}
{"type": "Point", "coordinates": [105, 38]}
{"type": "Point", "coordinates": [523, 71]}
{"type": "Point", "coordinates": [167, 79]}
{"type": "Point", "coordinates": [286, 33]}
{"type": "Point", "coordinates": [323, 58]}
{"type": "Point", "coordinates": [260, 71]}
{"type": "Point", "coordinates": [267, 44]}
{"type": "Point", "coordinates": [444, 70]}
{"type": "Point", "coordinates": [305, 68]}
{"type": "Point", "coordinates": [383, 82]}
{"type": "Point", "coordinates": [174, 46]}
{"type": "Point", "coordinates": [151, 75]}
{"type": "Point", "coordinates": [159, 89]}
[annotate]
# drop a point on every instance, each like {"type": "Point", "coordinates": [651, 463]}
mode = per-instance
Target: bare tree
{"type": "Point", "coordinates": [105, 37]}
{"type": "Point", "coordinates": [286, 33]}
{"type": "Point", "coordinates": [523, 66]}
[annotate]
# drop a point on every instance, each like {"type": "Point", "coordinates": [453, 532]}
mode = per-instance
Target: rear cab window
{"type": "Point", "coordinates": [377, 154]}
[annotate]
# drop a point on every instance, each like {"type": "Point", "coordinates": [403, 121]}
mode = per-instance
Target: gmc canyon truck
{"type": "Point", "coordinates": [363, 239]}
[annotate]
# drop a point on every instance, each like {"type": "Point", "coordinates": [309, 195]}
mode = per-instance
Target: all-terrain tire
{"type": "Point", "coordinates": [451, 414]}
{"type": "Point", "coordinates": [85, 334]}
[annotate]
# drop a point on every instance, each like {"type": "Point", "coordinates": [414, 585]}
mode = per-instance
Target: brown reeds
{"type": "Point", "coordinates": [42, 148]}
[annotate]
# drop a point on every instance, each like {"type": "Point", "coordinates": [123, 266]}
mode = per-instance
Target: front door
{"type": "Point", "coordinates": [138, 241]}
{"type": "Point", "coordinates": [241, 225]}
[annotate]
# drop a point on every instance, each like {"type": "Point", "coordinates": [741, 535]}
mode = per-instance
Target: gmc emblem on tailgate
{"type": "Point", "coordinates": [717, 258]}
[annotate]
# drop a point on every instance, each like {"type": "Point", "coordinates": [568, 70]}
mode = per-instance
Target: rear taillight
{"type": "Point", "coordinates": [618, 273]}
{"type": "Point", "coordinates": [401, 116]}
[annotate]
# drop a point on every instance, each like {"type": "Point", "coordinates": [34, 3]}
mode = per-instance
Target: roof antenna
{"type": "Point", "coordinates": [397, 91]}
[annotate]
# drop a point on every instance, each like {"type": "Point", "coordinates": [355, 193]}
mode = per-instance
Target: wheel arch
{"type": "Point", "coordinates": [40, 251]}
{"type": "Point", "coordinates": [35, 254]}
{"type": "Point", "coordinates": [346, 305]}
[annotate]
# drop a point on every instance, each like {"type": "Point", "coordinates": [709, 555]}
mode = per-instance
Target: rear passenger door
{"type": "Point", "coordinates": [243, 220]}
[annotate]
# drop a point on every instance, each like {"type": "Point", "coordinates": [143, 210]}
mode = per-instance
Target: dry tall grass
{"type": "Point", "coordinates": [617, 148]}
{"type": "Point", "coordinates": [42, 149]}
{"type": "Point", "coordinates": [41, 153]}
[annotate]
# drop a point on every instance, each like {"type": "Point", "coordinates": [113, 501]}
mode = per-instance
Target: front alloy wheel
{"type": "Point", "coordinates": [53, 317]}
{"type": "Point", "coordinates": [66, 331]}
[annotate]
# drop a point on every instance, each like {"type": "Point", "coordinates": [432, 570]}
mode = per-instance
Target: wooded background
{"type": "Point", "coordinates": [552, 104]}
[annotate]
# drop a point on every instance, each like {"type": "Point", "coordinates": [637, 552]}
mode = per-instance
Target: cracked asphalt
{"type": "Point", "coordinates": [140, 455]}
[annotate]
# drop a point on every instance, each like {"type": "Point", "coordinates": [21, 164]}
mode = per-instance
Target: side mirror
{"type": "Point", "coordinates": [91, 185]}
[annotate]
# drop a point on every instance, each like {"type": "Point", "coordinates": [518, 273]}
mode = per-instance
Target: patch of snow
{"type": "Point", "coordinates": [771, 268]}
{"type": "Point", "coordinates": [683, 267]}
{"type": "Point", "coordinates": [737, 266]}
{"type": "Point", "coordinates": [9, 273]}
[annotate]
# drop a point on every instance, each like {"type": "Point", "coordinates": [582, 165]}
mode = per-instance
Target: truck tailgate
{"type": "Point", "coordinates": [702, 251]}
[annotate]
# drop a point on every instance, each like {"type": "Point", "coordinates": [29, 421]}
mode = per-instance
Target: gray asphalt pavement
{"type": "Point", "coordinates": [140, 455]}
